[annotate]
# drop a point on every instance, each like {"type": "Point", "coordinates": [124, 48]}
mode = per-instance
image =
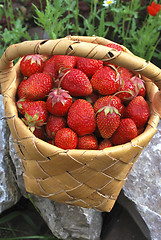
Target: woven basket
{"type": "Point", "coordinates": [86, 178]}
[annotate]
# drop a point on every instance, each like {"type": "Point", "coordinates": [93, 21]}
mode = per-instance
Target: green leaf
{"type": "Point", "coordinates": [107, 110]}
{"type": "Point", "coordinates": [36, 117]}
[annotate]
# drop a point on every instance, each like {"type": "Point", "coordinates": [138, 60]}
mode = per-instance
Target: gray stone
{"type": "Point", "coordinates": [9, 191]}
{"type": "Point", "coordinates": [70, 222]}
{"type": "Point", "coordinates": [143, 188]}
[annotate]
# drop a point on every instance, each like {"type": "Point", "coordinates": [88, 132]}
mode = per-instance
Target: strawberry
{"type": "Point", "coordinates": [126, 131]}
{"type": "Point", "coordinates": [130, 85]}
{"type": "Point", "coordinates": [105, 143]}
{"type": "Point", "coordinates": [50, 68]}
{"type": "Point", "coordinates": [128, 88]}
{"type": "Point", "coordinates": [64, 62]}
{"type": "Point", "coordinates": [36, 87]}
{"type": "Point", "coordinates": [54, 124]}
{"type": "Point", "coordinates": [108, 120]}
{"type": "Point", "coordinates": [113, 101]}
{"type": "Point", "coordinates": [138, 111]}
{"type": "Point", "coordinates": [115, 46]}
{"type": "Point", "coordinates": [122, 110]}
{"type": "Point", "coordinates": [51, 141]}
{"type": "Point", "coordinates": [92, 98]}
{"type": "Point", "coordinates": [81, 117]}
{"type": "Point", "coordinates": [88, 142]}
{"type": "Point", "coordinates": [36, 114]}
{"type": "Point", "coordinates": [31, 64]}
{"type": "Point", "coordinates": [138, 82]}
{"type": "Point", "coordinates": [76, 82]}
{"type": "Point", "coordinates": [140, 130]}
{"type": "Point", "coordinates": [89, 66]}
{"type": "Point", "coordinates": [22, 104]}
{"type": "Point", "coordinates": [105, 81]}
{"type": "Point", "coordinates": [39, 132]}
{"type": "Point", "coordinates": [125, 73]}
{"type": "Point", "coordinates": [58, 102]}
{"type": "Point", "coordinates": [66, 138]}
{"type": "Point", "coordinates": [140, 85]}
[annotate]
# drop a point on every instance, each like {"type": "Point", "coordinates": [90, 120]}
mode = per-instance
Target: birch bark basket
{"type": "Point", "coordinates": [86, 178]}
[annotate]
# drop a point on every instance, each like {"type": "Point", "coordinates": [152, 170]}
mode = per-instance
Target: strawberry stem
{"type": "Point", "coordinates": [61, 81]}
{"type": "Point", "coordinates": [118, 93]}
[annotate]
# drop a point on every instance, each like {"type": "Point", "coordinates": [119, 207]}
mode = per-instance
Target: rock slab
{"type": "Point", "coordinates": [143, 188]}
{"type": "Point", "coordinates": [9, 191]}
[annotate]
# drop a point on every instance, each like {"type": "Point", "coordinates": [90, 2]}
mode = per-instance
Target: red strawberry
{"type": "Point", "coordinates": [108, 120]}
{"type": "Point", "coordinates": [140, 85]}
{"type": "Point", "coordinates": [126, 131]}
{"type": "Point", "coordinates": [115, 46]}
{"type": "Point", "coordinates": [39, 132]}
{"type": "Point", "coordinates": [88, 142]}
{"type": "Point", "coordinates": [22, 104]}
{"type": "Point", "coordinates": [128, 88]}
{"type": "Point", "coordinates": [113, 101]}
{"type": "Point", "coordinates": [89, 66]}
{"type": "Point", "coordinates": [81, 117]}
{"type": "Point", "coordinates": [53, 125]}
{"type": "Point", "coordinates": [64, 61]}
{"type": "Point", "coordinates": [36, 87]}
{"type": "Point", "coordinates": [31, 64]}
{"type": "Point", "coordinates": [36, 114]}
{"type": "Point", "coordinates": [51, 141]}
{"type": "Point", "coordinates": [105, 81]}
{"type": "Point", "coordinates": [138, 111]}
{"type": "Point", "coordinates": [92, 98]}
{"type": "Point", "coordinates": [140, 130]}
{"type": "Point", "coordinates": [66, 138]}
{"type": "Point", "coordinates": [122, 110]}
{"type": "Point", "coordinates": [50, 68]}
{"type": "Point", "coordinates": [105, 143]}
{"type": "Point", "coordinates": [58, 102]}
{"type": "Point", "coordinates": [76, 82]}
{"type": "Point", "coordinates": [125, 73]}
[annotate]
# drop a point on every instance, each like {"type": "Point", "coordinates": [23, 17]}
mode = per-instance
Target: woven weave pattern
{"type": "Point", "coordinates": [87, 178]}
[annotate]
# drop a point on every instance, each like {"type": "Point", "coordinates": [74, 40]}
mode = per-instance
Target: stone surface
{"type": "Point", "coordinates": [9, 192]}
{"type": "Point", "coordinates": [143, 188]}
{"type": "Point", "coordinates": [70, 222]}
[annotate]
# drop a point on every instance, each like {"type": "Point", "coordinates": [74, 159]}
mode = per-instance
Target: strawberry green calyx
{"type": "Point", "coordinates": [32, 121]}
{"type": "Point", "coordinates": [108, 119]}
{"type": "Point", "coordinates": [19, 103]}
{"type": "Point", "coordinates": [108, 109]}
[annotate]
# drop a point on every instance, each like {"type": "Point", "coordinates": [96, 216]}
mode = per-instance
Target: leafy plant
{"type": "Point", "coordinates": [15, 30]}
{"type": "Point", "coordinates": [96, 23]}
{"type": "Point", "coordinates": [6, 224]}
{"type": "Point", "coordinates": [135, 28]}
{"type": "Point", "coordinates": [55, 19]}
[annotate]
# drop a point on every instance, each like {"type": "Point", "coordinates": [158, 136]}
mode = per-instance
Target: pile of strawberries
{"type": "Point", "coordinates": [75, 102]}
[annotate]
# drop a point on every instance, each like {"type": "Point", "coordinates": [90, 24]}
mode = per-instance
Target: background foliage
{"type": "Point", "coordinates": [126, 22]}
